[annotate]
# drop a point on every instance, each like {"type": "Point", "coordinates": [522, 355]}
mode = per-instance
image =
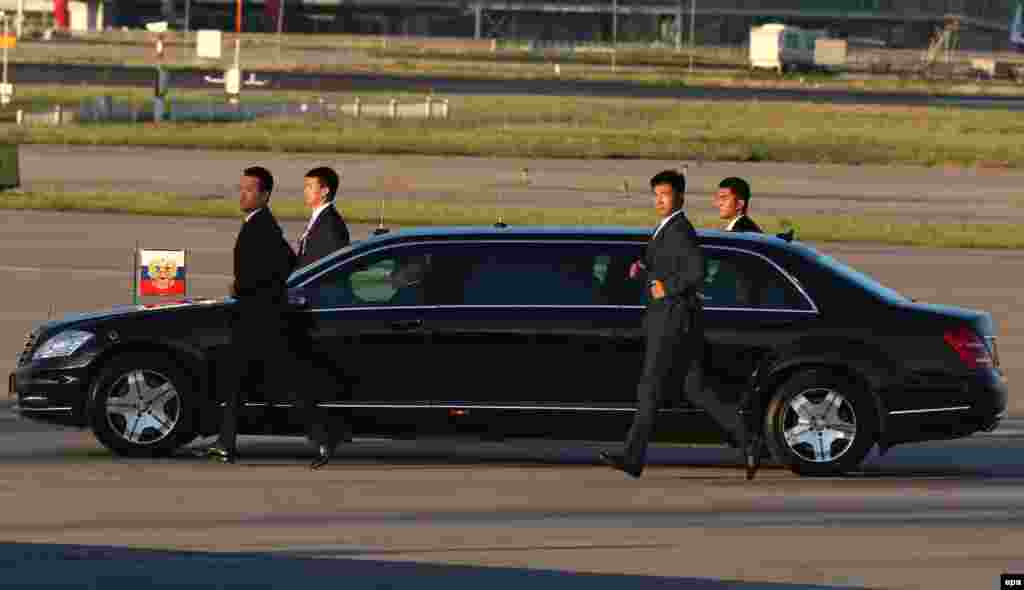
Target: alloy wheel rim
{"type": "Point", "coordinates": [143, 407]}
{"type": "Point", "coordinates": [819, 425]}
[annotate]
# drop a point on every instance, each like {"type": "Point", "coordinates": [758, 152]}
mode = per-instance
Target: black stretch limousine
{"type": "Point", "coordinates": [502, 332]}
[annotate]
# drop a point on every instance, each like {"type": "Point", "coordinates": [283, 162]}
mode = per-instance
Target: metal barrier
{"type": "Point", "coordinates": [105, 109]}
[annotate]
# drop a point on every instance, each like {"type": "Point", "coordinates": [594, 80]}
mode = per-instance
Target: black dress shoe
{"type": "Point", "coordinates": [323, 457]}
{"type": "Point", "coordinates": [217, 453]}
{"type": "Point", "coordinates": [618, 462]}
{"type": "Point", "coordinates": [753, 453]}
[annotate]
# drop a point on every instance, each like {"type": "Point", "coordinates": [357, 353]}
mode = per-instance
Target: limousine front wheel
{"type": "Point", "coordinates": [821, 423]}
{"type": "Point", "coordinates": [139, 406]}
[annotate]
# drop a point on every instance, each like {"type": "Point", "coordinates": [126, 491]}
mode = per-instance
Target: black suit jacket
{"type": "Point", "coordinates": [745, 223]}
{"type": "Point", "coordinates": [674, 258]}
{"type": "Point", "coordinates": [263, 262]}
{"type": "Point", "coordinates": [328, 234]}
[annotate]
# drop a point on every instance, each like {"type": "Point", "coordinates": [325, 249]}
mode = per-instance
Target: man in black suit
{"type": "Point", "coordinates": [673, 268]}
{"type": "Point", "coordinates": [261, 340]}
{"type": "Point", "coordinates": [326, 231]}
{"type": "Point", "coordinates": [733, 201]}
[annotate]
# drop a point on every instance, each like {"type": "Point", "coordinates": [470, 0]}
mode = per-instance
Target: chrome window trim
{"type": "Point", "coordinates": [453, 406]}
{"type": "Point", "coordinates": [497, 306]}
{"type": "Point", "coordinates": [929, 410]}
{"type": "Point", "coordinates": [793, 280]}
{"type": "Point", "coordinates": [522, 407]}
{"type": "Point", "coordinates": [452, 243]}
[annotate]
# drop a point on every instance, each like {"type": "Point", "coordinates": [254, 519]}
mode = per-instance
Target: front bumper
{"type": "Point", "coordinates": [56, 395]}
{"type": "Point", "coordinates": [977, 404]}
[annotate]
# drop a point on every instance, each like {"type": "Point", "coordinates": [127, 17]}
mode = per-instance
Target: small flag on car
{"type": "Point", "coordinates": [161, 272]}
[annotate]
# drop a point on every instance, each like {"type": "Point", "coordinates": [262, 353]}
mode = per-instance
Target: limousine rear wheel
{"type": "Point", "coordinates": [140, 407]}
{"type": "Point", "coordinates": [821, 423]}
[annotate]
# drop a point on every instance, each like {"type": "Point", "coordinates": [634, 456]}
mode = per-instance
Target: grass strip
{"type": "Point", "coordinates": [561, 127]}
{"type": "Point", "coordinates": [405, 212]}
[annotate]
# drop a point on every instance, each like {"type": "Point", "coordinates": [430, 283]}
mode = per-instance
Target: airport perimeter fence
{"type": "Point", "coordinates": [107, 110]}
{"type": "Point", "coordinates": [326, 51]}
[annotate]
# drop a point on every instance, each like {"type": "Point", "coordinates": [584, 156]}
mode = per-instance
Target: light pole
{"type": "Point", "coordinates": [280, 26]}
{"type": "Point", "coordinates": [6, 90]}
{"type": "Point", "coordinates": [238, 16]}
{"type": "Point", "coordinates": [478, 20]}
{"type": "Point", "coordinates": [20, 25]}
{"type": "Point", "coordinates": [679, 26]}
{"type": "Point", "coordinates": [188, 18]}
{"type": "Point", "coordinates": [615, 31]}
{"type": "Point", "coordinates": [693, 18]}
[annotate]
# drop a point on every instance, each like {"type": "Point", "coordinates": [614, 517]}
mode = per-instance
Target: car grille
{"type": "Point", "coordinates": [26, 352]}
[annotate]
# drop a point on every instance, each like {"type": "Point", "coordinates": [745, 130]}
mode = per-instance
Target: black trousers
{"type": "Point", "coordinates": [674, 347]}
{"type": "Point", "coordinates": [265, 355]}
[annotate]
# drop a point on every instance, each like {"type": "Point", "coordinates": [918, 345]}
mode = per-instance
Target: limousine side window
{"type": "Point", "coordinates": [391, 279]}
{"type": "Point", "coordinates": [532, 274]}
{"type": "Point", "coordinates": [740, 280]}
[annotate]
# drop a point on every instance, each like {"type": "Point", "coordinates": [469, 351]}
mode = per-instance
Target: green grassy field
{"type": "Point", "coordinates": [559, 127]}
{"type": "Point", "coordinates": [404, 213]}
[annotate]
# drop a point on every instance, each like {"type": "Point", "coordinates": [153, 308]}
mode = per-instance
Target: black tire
{"type": "Point", "coordinates": [151, 425]}
{"type": "Point", "coordinates": [827, 443]}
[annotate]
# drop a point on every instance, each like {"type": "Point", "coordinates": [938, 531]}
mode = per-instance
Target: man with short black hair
{"type": "Point", "coordinates": [261, 351]}
{"type": "Point", "coordinates": [733, 202]}
{"type": "Point", "coordinates": [673, 268]}
{"type": "Point", "coordinates": [326, 231]}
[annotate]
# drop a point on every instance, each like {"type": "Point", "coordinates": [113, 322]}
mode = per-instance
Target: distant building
{"type": "Point", "coordinates": [897, 23]}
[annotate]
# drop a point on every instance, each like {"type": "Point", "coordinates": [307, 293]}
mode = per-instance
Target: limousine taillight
{"type": "Point", "coordinates": [970, 347]}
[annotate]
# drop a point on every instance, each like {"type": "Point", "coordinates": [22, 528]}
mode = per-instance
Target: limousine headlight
{"type": "Point", "coordinates": [63, 344]}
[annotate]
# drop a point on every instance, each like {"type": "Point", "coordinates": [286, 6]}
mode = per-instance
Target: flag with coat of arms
{"type": "Point", "coordinates": [161, 272]}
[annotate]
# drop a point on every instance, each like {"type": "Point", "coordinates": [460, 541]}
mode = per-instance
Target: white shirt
{"type": "Point", "coordinates": [665, 221]}
{"type": "Point", "coordinates": [733, 222]}
{"type": "Point", "coordinates": [251, 213]}
{"type": "Point", "coordinates": [313, 218]}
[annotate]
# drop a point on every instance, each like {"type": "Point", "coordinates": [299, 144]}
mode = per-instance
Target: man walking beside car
{"type": "Point", "coordinates": [326, 231]}
{"type": "Point", "coordinates": [673, 268]}
{"type": "Point", "coordinates": [260, 335]}
{"type": "Point", "coordinates": [733, 203]}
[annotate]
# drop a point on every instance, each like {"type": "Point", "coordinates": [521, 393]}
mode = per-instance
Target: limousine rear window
{"type": "Point", "coordinates": [853, 275]}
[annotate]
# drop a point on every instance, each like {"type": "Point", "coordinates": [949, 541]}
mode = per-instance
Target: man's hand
{"type": "Point", "coordinates": [635, 269]}
{"type": "Point", "coordinates": [657, 289]}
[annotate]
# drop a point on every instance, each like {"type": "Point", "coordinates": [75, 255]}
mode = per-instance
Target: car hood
{"type": "Point", "coordinates": [133, 309]}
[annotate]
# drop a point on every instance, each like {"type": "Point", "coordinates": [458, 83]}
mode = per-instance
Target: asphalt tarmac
{"type": "Point", "coordinates": [891, 193]}
{"type": "Point", "coordinates": [405, 514]}
{"type": "Point", "coordinates": [138, 76]}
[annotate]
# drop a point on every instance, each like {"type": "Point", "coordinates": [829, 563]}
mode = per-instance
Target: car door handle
{"type": "Point", "coordinates": [407, 325]}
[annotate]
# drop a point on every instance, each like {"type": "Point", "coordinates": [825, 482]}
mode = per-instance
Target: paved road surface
{"type": "Point", "coordinates": [896, 193]}
{"type": "Point", "coordinates": [359, 82]}
{"type": "Point", "coordinates": [939, 515]}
